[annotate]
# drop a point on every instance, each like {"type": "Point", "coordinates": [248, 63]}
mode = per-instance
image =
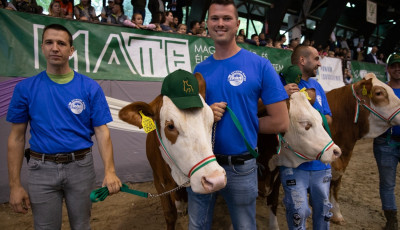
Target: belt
{"type": "Point", "coordinates": [61, 158]}
{"type": "Point", "coordinates": [395, 138]}
{"type": "Point", "coordinates": [233, 159]}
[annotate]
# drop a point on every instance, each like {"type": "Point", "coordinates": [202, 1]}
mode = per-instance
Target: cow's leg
{"type": "Point", "coordinates": [169, 209]}
{"type": "Point", "coordinates": [337, 217]}
{"type": "Point", "coordinates": [273, 200]}
{"type": "Point", "coordinates": [181, 201]}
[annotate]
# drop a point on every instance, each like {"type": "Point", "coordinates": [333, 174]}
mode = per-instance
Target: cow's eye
{"type": "Point", "coordinates": [306, 124]}
{"type": "Point", "coordinates": [171, 126]}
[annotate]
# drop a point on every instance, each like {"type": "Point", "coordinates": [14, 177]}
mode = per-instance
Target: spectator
{"type": "Point", "coordinates": [255, 40]}
{"type": "Point", "coordinates": [117, 17]}
{"type": "Point", "coordinates": [28, 6]}
{"type": "Point", "coordinates": [55, 10]}
{"type": "Point", "coordinates": [7, 5]}
{"type": "Point", "coordinates": [269, 42]}
{"type": "Point", "coordinates": [85, 10]}
{"type": "Point", "coordinates": [156, 8]}
{"type": "Point", "coordinates": [137, 22]}
{"type": "Point", "coordinates": [277, 44]}
{"type": "Point", "coordinates": [202, 32]}
{"type": "Point", "coordinates": [66, 8]}
{"type": "Point", "coordinates": [387, 153]}
{"type": "Point", "coordinates": [107, 11]}
{"type": "Point", "coordinates": [194, 26]}
{"type": "Point", "coordinates": [293, 43]}
{"type": "Point", "coordinates": [167, 21]}
{"type": "Point", "coordinates": [306, 42]}
{"type": "Point", "coordinates": [182, 28]}
{"type": "Point", "coordinates": [241, 31]}
{"type": "Point", "coordinates": [381, 59]}
{"type": "Point", "coordinates": [331, 54]}
{"type": "Point", "coordinates": [347, 77]}
{"type": "Point", "coordinates": [240, 38]}
{"type": "Point", "coordinates": [371, 57]}
{"type": "Point", "coordinates": [139, 6]}
{"type": "Point", "coordinates": [202, 24]}
{"type": "Point", "coordinates": [175, 23]}
{"type": "Point", "coordinates": [175, 6]}
{"type": "Point", "coordinates": [261, 38]}
{"type": "Point", "coordinates": [282, 40]}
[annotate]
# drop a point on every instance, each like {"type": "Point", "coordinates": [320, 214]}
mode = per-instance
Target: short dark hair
{"type": "Point", "coordinates": [226, 3]}
{"type": "Point", "coordinates": [58, 27]}
{"type": "Point", "coordinates": [300, 50]}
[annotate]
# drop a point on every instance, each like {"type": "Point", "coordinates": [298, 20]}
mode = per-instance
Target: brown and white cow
{"type": "Point", "coordinates": [186, 136]}
{"type": "Point", "coordinates": [305, 140]}
{"type": "Point", "coordinates": [382, 106]}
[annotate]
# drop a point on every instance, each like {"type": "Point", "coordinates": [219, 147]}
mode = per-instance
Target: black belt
{"type": "Point", "coordinates": [395, 138]}
{"type": "Point", "coordinates": [61, 158]}
{"type": "Point", "coordinates": [233, 159]}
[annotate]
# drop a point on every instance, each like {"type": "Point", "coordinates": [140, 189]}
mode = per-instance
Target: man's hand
{"type": "Point", "coordinates": [218, 109]}
{"type": "Point", "coordinates": [291, 88]}
{"type": "Point", "coordinates": [112, 182]}
{"type": "Point", "coordinates": [19, 200]}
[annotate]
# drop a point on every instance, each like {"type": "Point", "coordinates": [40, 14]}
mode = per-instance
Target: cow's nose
{"type": "Point", "coordinates": [214, 182]}
{"type": "Point", "coordinates": [337, 152]}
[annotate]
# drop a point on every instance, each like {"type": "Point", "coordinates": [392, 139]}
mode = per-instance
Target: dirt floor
{"type": "Point", "coordinates": [359, 199]}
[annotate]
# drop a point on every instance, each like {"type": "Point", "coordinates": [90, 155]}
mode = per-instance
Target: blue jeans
{"type": "Point", "coordinates": [296, 184]}
{"type": "Point", "coordinates": [387, 158]}
{"type": "Point", "coordinates": [240, 195]}
{"type": "Point", "coordinates": [50, 182]}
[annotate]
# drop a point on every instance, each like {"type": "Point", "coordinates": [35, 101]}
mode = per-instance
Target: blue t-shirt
{"type": "Point", "coordinates": [240, 81]}
{"type": "Point", "coordinates": [61, 116]}
{"type": "Point", "coordinates": [396, 129]}
{"type": "Point", "coordinates": [321, 104]}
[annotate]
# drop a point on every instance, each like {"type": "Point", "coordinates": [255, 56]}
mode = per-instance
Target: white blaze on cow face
{"type": "Point", "coordinates": [385, 102]}
{"type": "Point", "coordinates": [306, 135]}
{"type": "Point", "coordinates": [186, 134]}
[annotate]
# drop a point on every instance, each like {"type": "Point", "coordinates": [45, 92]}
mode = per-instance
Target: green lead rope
{"type": "Point", "coordinates": [101, 194]}
{"type": "Point", "coordinates": [326, 126]}
{"type": "Point", "coordinates": [240, 129]}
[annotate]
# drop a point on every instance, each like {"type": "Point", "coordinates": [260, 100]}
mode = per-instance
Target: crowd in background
{"type": "Point", "coordinates": [167, 16]}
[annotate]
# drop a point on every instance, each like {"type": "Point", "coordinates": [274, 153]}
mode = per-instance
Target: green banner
{"type": "Point", "coordinates": [359, 69]}
{"type": "Point", "coordinates": [108, 52]}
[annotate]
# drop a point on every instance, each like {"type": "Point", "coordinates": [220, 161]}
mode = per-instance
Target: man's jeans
{"type": "Point", "coordinates": [296, 184]}
{"type": "Point", "coordinates": [387, 158]}
{"type": "Point", "coordinates": [50, 182]}
{"type": "Point", "coordinates": [240, 195]}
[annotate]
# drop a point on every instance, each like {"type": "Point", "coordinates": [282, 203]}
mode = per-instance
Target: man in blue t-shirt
{"type": "Point", "coordinates": [310, 177]}
{"type": "Point", "coordinates": [64, 110]}
{"type": "Point", "coordinates": [387, 152]}
{"type": "Point", "coordinates": [236, 78]}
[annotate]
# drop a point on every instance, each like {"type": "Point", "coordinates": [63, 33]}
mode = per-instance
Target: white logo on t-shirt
{"type": "Point", "coordinates": [76, 106]}
{"type": "Point", "coordinates": [236, 78]}
{"type": "Point", "coordinates": [319, 99]}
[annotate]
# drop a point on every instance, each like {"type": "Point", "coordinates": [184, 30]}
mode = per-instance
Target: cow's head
{"type": "Point", "coordinates": [185, 135]}
{"type": "Point", "coordinates": [306, 138]}
{"type": "Point", "coordinates": [384, 103]}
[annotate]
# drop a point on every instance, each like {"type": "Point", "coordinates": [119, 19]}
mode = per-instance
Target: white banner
{"type": "Point", "coordinates": [330, 74]}
{"type": "Point", "coordinates": [371, 12]}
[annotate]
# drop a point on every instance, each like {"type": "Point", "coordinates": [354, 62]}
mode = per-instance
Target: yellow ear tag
{"type": "Point", "coordinates": [147, 123]}
{"type": "Point", "coordinates": [364, 91]}
{"type": "Point", "coordinates": [303, 90]}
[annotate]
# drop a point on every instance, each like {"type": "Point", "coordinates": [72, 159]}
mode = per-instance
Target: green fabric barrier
{"type": "Point", "coordinates": [107, 52]}
{"type": "Point", "coordinates": [359, 69]}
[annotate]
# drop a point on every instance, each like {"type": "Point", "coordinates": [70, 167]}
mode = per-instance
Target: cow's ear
{"type": "Point", "coordinates": [131, 113]}
{"type": "Point", "coordinates": [202, 84]}
{"type": "Point", "coordinates": [311, 93]}
{"type": "Point", "coordinates": [363, 87]}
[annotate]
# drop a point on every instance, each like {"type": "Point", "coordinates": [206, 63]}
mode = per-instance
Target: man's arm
{"type": "Point", "coordinates": [277, 119]}
{"type": "Point", "coordinates": [111, 180]}
{"type": "Point", "coordinates": [19, 199]}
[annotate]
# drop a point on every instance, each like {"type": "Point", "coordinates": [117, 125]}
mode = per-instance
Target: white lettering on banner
{"type": "Point", "coordinates": [155, 56]}
{"type": "Point", "coordinates": [85, 50]}
{"type": "Point", "coordinates": [204, 49]}
{"type": "Point", "coordinates": [116, 36]}
{"type": "Point", "coordinates": [36, 27]}
{"type": "Point", "coordinates": [277, 67]}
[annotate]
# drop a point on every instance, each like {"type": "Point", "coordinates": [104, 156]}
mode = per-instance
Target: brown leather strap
{"type": "Point", "coordinates": [61, 158]}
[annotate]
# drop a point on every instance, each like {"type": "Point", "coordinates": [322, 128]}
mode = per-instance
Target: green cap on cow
{"type": "Point", "coordinates": [395, 57]}
{"type": "Point", "coordinates": [183, 89]}
{"type": "Point", "coordinates": [291, 74]}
